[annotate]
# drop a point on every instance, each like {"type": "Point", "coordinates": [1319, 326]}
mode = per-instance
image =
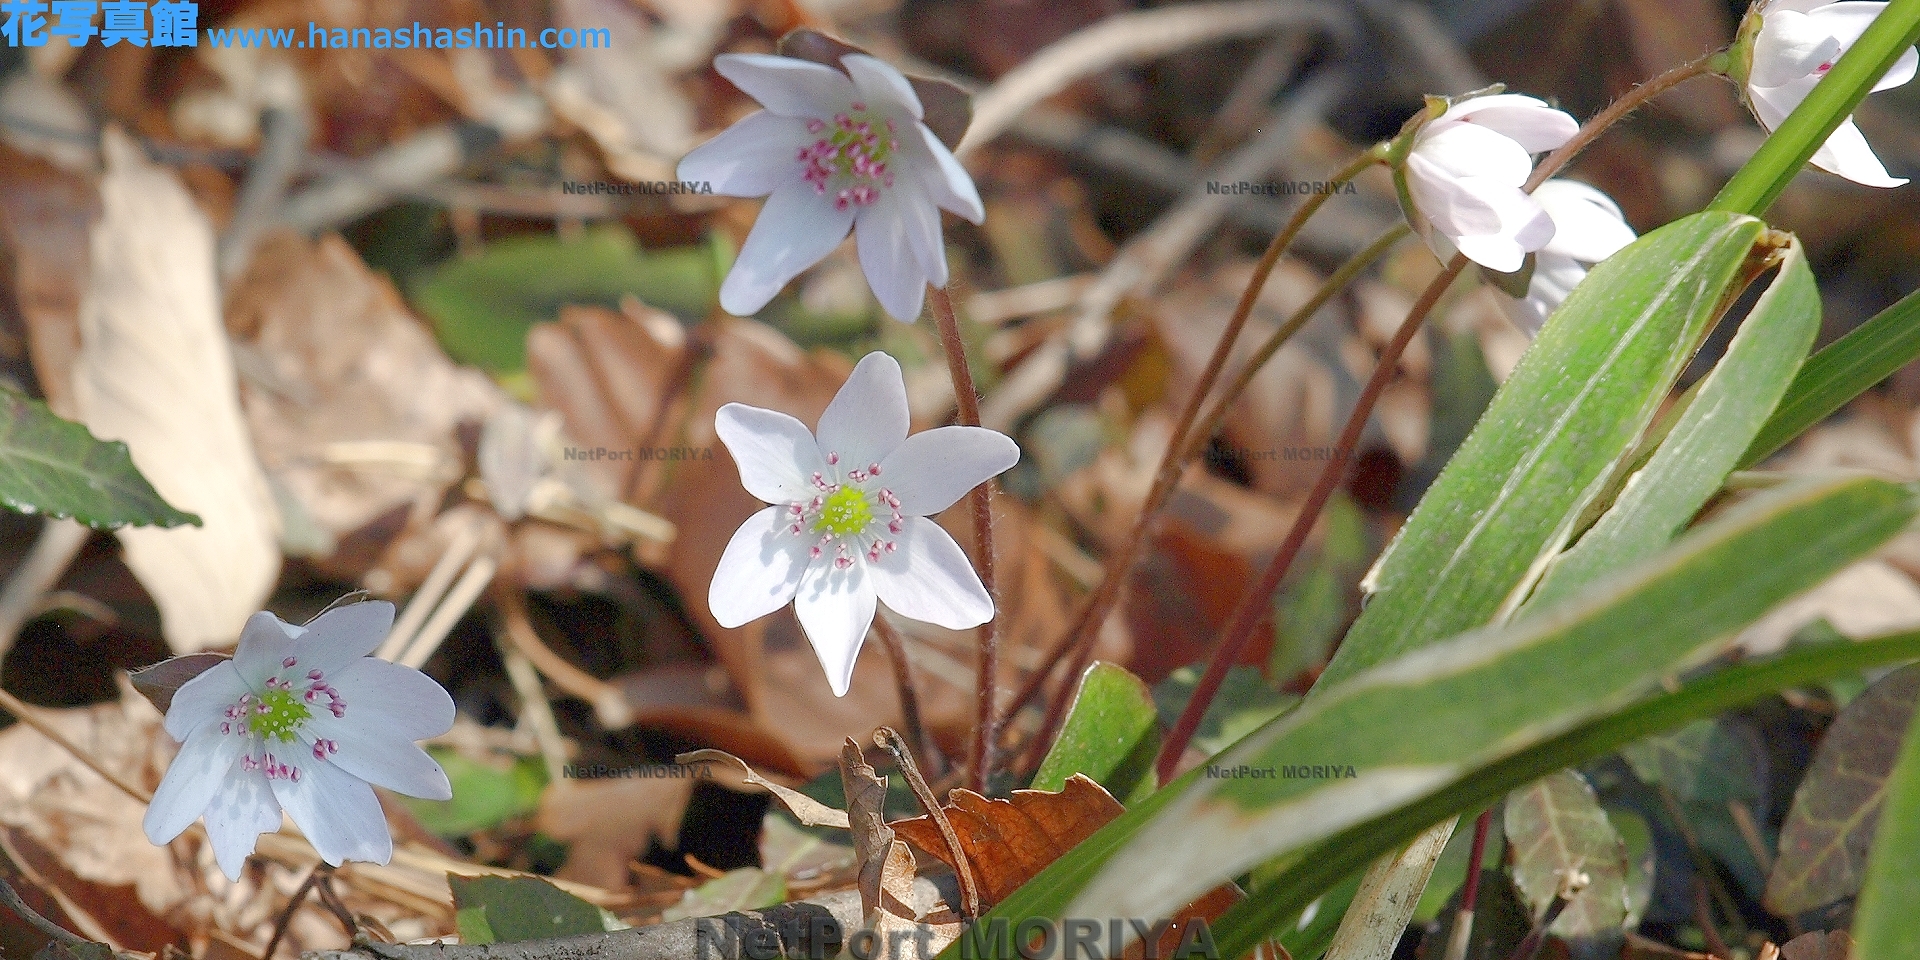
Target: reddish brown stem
{"type": "Point", "coordinates": [980, 751]}
{"type": "Point", "coordinates": [909, 695]}
{"type": "Point", "coordinates": [1196, 441]}
{"type": "Point", "coordinates": [1107, 592]}
{"type": "Point", "coordinates": [1470, 895]}
{"type": "Point", "coordinates": [1252, 608]}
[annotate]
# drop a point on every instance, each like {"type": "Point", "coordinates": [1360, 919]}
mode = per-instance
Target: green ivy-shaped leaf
{"type": "Point", "coordinates": [56, 467]}
{"type": "Point", "coordinates": [513, 909]}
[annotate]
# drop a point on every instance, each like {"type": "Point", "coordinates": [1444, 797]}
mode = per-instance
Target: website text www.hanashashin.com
{"type": "Point", "coordinates": [175, 23]}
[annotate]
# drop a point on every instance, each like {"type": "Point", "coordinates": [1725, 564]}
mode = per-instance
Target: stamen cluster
{"type": "Point", "coordinates": [278, 714]}
{"type": "Point", "coordinates": [844, 514]}
{"type": "Point", "coordinates": [852, 157]}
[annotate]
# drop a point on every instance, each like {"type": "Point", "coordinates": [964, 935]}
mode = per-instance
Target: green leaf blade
{"type": "Point", "coordinates": [57, 467]}
{"type": "Point", "coordinates": [1883, 924]}
{"type": "Point", "coordinates": [491, 909]}
{"type": "Point", "coordinates": [1488, 693]}
{"type": "Point", "coordinates": [1111, 734]}
{"type": "Point", "coordinates": [1845, 369]}
{"type": "Point", "coordinates": [1706, 443]}
{"type": "Point", "coordinates": [1582, 394]}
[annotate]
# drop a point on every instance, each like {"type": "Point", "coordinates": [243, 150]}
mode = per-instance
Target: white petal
{"type": "Point", "coordinates": [1844, 21]}
{"type": "Point", "coordinates": [265, 642]}
{"type": "Point", "coordinates": [868, 417]}
{"type": "Point", "coordinates": [1524, 228]}
{"type": "Point", "coordinates": [835, 607]}
{"type": "Point", "coordinates": [934, 468]}
{"type": "Point", "coordinates": [929, 578]}
{"type": "Point", "coordinates": [1901, 73]}
{"type": "Point", "coordinates": [242, 810]}
{"type": "Point", "coordinates": [1798, 6]}
{"type": "Point", "coordinates": [787, 86]}
{"type": "Point", "coordinates": [192, 779]}
{"type": "Point", "coordinates": [1789, 46]}
{"type": "Point", "coordinates": [343, 635]}
{"type": "Point", "coordinates": [369, 753]}
{"type": "Point", "coordinates": [760, 569]}
{"type": "Point", "coordinates": [887, 257]}
{"type": "Point", "coordinates": [1554, 277]}
{"type": "Point", "coordinates": [1586, 223]}
{"type": "Point", "coordinates": [797, 229]}
{"type": "Point", "coordinates": [1527, 121]}
{"type": "Point", "coordinates": [1465, 150]}
{"type": "Point", "coordinates": [1446, 201]}
{"type": "Point", "coordinates": [205, 698]}
{"type": "Point", "coordinates": [775, 453]}
{"type": "Point", "coordinates": [922, 222]}
{"type": "Point", "coordinates": [336, 810]}
{"type": "Point", "coordinates": [1771, 105]}
{"type": "Point", "coordinates": [1847, 154]}
{"type": "Point", "coordinates": [1529, 314]}
{"type": "Point", "coordinates": [947, 181]}
{"type": "Point", "coordinates": [882, 87]}
{"type": "Point", "coordinates": [1493, 251]}
{"type": "Point", "coordinates": [398, 701]}
{"type": "Point", "coordinates": [752, 158]}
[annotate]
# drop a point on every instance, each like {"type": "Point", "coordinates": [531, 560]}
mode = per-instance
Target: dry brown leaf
{"type": "Point", "coordinates": [46, 216]}
{"type": "Point", "coordinates": [805, 809]}
{"type": "Point", "coordinates": [1819, 945]}
{"type": "Point", "coordinates": [154, 370]}
{"type": "Point", "coordinates": [1008, 841]}
{"type": "Point", "coordinates": [1289, 405]}
{"type": "Point", "coordinates": [94, 829]}
{"type": "Point", "coordinates": [608, 823]}
{"type": "Point", "coordinates": [610, 376]}
{"type": "Point", "coordinates": [353, 405]}
{"type": "Point", "coordinates": [629, 103]}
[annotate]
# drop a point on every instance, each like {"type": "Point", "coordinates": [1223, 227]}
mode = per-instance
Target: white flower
{"type": "Point", "coordinates": [1798, 42]}
{"type": "Point", "coordinates": [1587, 228]}
{"type": "Point", "coordinates": [301, 719]}
{"type": "Point", "coordinates": [1465, 171]}
{"type": "Point", "coordinates": [849, 517]}
{"type": "Point", "coordinates": [834, 150]}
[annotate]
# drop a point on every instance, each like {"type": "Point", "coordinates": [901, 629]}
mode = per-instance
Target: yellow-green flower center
{"type": "Point", "coordinates": [283, 714]}
{"type": "Point", "coordinates": [845, 513]}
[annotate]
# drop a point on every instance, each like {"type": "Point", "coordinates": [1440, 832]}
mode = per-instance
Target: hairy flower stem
{"type": "Point", "coordinates": [1616, 111]}
{"type": "Point", "coordinates": [980, 752]}
{"type": "Point", "coordinates": [1253, 605]}
{"type": "Point", "coordinates": [1195, 441]}
{"type": "Point", "coordinates": [1252, 608]}
{"type": "Point", "coordinates": [909, 694]}
{"type": "Point", "coordinates": [1107, 592]}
